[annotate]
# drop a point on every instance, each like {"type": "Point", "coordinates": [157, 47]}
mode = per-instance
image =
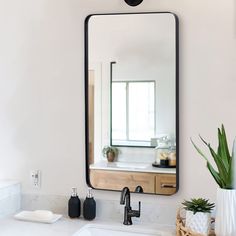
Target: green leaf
{"type": "Point", "coordinates": [215, 175]}
{"type": "Point", "coordinates": [223, 150]}
{"type": "Point", "coordinates": [224, 143]}
{"type": "Point", "coordinates": [199, 151]}
{"type": "Point", "coordinates": [230, 180]}
{"type": "Point", "coordinates": [223, 170]}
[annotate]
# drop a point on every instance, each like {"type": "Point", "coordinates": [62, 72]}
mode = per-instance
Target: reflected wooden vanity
{"type": "Point", "coordinates": [155, 182]}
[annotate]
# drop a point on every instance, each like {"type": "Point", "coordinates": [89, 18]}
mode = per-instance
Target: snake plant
{"type": "Point", "coordinates": [223, 175]}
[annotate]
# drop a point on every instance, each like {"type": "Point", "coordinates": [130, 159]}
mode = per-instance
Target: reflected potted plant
{"type": "Point", "coordinates": [110, 153]}
{"type": "Point", "coordinates": [198, 215]}
{"type": "Point", "coordinates": [223, 174]}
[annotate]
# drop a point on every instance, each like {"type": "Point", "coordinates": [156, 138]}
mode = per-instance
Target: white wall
{"type": "Point", "coordinates": [42, 93]}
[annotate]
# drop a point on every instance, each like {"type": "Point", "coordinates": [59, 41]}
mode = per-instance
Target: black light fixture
{"type": "Point", "coordinates": [133, 3]}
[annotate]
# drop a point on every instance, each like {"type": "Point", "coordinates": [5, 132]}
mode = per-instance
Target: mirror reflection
{"type": "Point", "coordinates": [131, 102]}
{"type": "Point", "coordinates": [133, 112]}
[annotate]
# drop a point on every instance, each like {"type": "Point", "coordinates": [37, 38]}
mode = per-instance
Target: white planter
{"type": "Point", "coordinates": [199, 222]}
{"type": "Point", "coordinates": [225, 212]}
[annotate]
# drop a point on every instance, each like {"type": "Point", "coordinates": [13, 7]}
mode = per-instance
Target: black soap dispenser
{"type": "Point", "coordinates": [89, 207]}
{"type": "Point", "coordinates": [74, 205]}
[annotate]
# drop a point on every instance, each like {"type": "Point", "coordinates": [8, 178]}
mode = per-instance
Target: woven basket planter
{"type": "Point", "coordinates": [181, 230]}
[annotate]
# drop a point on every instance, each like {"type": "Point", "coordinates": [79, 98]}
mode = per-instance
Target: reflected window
{"type": "Point", "coordinates": [133, 111]}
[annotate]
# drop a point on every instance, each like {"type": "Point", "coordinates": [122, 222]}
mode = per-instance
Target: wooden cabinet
{"type": "Point", "coordinates": [117, 180]}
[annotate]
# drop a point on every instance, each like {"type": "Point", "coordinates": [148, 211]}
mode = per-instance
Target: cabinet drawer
{"type": "Point", "coordinates": [165, 184]}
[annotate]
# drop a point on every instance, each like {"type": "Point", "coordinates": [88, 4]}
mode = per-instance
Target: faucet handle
{"type": "Point", "coordinates": [135, 213]}
{"type": "Point", "coordinates": [139, 189]}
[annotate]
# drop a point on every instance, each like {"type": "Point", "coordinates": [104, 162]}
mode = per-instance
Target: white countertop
{"type": "Point", "coordinates": [131, 166]}
{"type": "Point", "coordinates": [64, 227]}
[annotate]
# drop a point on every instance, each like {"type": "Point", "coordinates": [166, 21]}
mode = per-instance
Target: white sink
{"type": "Point", "coordinates": [114, 230]}
{"type": "Point", "coordinates": [131, 165]}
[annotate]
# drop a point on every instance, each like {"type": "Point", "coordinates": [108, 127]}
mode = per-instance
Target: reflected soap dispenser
{"type": "Point", "coordinates": [74, 205]}
{"type": "Point", "coordinates": [89, 207]}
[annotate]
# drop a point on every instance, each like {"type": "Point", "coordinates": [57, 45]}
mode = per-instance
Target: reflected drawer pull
{"type": "Point", "coordinates": [168, 185]}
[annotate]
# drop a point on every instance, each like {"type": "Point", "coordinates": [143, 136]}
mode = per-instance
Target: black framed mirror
{"type": "Point", "coordinates": [131, 95]}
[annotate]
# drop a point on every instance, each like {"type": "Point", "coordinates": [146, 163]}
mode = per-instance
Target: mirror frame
{"type": "Point", "coordinates": [86, 67]}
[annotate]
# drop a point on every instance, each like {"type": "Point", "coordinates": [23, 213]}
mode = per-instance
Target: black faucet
{"type": "Point", "coordinates": [128, 212]}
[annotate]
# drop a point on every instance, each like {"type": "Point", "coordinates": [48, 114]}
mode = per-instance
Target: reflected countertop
{"type": "Point", "coordinates": [131, 166]}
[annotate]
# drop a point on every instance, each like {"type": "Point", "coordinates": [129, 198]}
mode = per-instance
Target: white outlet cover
{"type": "Point", "coordinates": [35, 178]}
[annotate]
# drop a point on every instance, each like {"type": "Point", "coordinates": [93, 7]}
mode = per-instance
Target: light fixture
{"type": "Point", "coordinates": [133, 3]}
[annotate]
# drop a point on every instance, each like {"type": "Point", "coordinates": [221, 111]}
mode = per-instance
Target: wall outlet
{"type": "Point", "coordinates": [35, 178]}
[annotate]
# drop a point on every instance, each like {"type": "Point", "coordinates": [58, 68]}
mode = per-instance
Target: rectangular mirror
{"type": "Point", "coordinates": [131, 87]}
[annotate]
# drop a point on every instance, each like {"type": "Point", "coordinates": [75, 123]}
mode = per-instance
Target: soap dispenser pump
{"type": "Point", "coordinates": [89, 207]}
{"type": "Point", "coordinates": [74, 205]}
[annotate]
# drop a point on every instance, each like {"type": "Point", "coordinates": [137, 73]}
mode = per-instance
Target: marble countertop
{"type": "Point", "coordinates": [131, 166]}
{"type": "Point", "coordinates": [64, 227]}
